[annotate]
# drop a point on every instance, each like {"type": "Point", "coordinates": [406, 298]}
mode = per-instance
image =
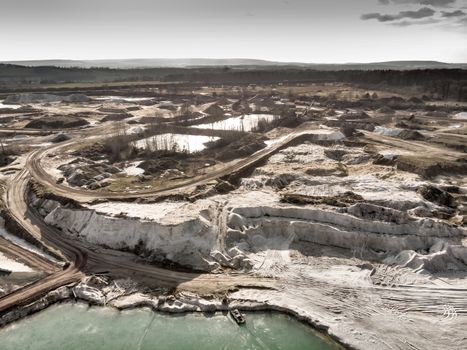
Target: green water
{"type": "Point", "coordinates": [78, 327]}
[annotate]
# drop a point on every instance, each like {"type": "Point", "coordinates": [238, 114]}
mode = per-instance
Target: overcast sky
{"type": "Point", "coordinates": [283, 30]}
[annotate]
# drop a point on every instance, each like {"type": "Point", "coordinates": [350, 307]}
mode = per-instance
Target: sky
{"type": "Point", "coordinates": [318, 31]}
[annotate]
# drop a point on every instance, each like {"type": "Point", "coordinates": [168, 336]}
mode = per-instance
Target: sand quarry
{"type": "Point", "coordinates": [353, 219]}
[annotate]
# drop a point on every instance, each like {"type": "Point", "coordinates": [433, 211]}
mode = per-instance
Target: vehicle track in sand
{"type": "Point", "coordinates": [84, 259]}
{"type": "Point", "coordinates": [331, 299]}
{"type": "Point", "coordinates": [83, 195]}
{"type": "Point", "coordinates": [35, 261]}
{"type": "Point", "coordinates": [417, 147]}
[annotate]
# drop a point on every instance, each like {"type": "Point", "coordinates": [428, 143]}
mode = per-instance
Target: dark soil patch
{"type": "Point", "coordinates": [341, 200]}
{"type": "Point", "coordinates": [116, 117]}
{"type": "Point", "coordinates": [56, 122]}
{"type": "Point", "coordinates": [224, 150]}
{"type": "Point", "coordinates": [411, 135]}
{"type": "Point", "coordinates": [429, 167]}
{"type": "Point", "coordinates": [438, 196]}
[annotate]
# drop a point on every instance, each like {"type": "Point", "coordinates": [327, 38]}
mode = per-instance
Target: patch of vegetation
{"type": "Point", "coordinates": [56, 122]}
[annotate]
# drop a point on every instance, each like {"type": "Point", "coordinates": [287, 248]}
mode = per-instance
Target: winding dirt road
{"type": "Point", "coordinates": [326, 300]}
{"type": "Point", "coordinates": [90, 259]}
{"type": "Point", "coordinates": [83, 195]}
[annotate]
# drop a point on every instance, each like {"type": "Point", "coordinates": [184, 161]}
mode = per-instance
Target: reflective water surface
{"type": "Point", "coordinates": [79, 327]}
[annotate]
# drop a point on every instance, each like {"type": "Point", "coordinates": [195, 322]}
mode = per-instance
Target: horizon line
{"type": "Point", "coordinates": [226, 58]}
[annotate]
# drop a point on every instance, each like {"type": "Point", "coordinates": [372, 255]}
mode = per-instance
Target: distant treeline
{"type": "Point", "coordinates": [442, 83]}
{"type": "Point", "coordinates": [11, 75]}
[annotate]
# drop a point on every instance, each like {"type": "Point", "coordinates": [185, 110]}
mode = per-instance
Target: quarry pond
{"type": "Point", "coordinates": [176, 142]}
{"type": "Point", "coordinates": [242, 123]}
{"type": "Point", "coordinates": [83, 327]}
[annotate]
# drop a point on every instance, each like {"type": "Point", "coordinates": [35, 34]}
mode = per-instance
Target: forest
{"type": "Point", "coordinates": [441, 84]}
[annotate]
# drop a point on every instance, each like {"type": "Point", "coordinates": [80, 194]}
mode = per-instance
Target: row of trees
{"type": "Point", "coordinates": [447, 83]}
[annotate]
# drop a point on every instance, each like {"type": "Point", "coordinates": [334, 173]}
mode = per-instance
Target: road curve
{"type": "Point", "coordinates": [83, 195]}
{"type": "Point", "coordinates": [16, 203]}
{"type": "Point", "coordinates": [85, 259]}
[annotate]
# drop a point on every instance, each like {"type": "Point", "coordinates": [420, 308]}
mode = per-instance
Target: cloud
{"type": "Point", "coordinates": [421, 13]}
{"type": "Point", "coordinates": [378, 16]}
{"type": "Point", "coordinates": [453, 16]}
{"type": "Point", "coordinates": [457, 13]}
{"type": "Point", "coordinates": [424, 12]}
{"type": "Point", "coordinates": [411, 23]}
{"type": "Point", "coordinates": [434, 3]}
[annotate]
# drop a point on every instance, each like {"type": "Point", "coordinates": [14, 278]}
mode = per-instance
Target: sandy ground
{"type": "Point", "coordinates": [12, 265]}
{"type": "Point", "coordinates": [23, 244]}
{"type": "Point", "coordinates": [379, 271]}
{"type": "Point", "coordinates": [164, 212]}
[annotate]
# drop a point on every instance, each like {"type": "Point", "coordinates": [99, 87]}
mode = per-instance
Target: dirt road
{"type": "Point", "coordinates": [83, 195]}
{"type": "Point", "coordinates": [358, 313]}
{"type": "Point", "coordinates": [88, 259]}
